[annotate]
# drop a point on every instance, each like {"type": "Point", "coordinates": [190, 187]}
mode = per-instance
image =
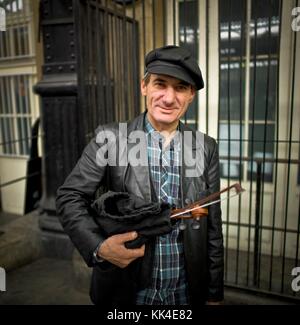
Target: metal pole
{"type": "Point", "coordinates": [257, 226]}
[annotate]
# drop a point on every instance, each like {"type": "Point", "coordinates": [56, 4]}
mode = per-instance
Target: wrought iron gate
{"type": "Point", "coordinates": [108, 71]}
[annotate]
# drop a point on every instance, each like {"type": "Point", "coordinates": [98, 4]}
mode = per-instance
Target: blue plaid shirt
{"type": "Point", "coordinates": [168, 285]}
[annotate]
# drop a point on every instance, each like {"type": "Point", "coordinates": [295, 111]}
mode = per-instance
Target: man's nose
{"type": "Point", "coordinates": [169, 96]}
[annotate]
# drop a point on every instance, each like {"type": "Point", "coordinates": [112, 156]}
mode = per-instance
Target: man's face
{"type": "Point", "coordinates": [167, 100]}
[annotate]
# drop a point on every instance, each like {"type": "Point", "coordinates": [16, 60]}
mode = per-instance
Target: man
{"type": "Point", "coordinates": [186, 266]}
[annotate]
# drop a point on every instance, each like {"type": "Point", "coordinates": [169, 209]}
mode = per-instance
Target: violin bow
{"type": "Point", "coordinates": [207, 201]}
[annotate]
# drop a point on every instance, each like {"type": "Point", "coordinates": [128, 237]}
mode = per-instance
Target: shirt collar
{"type": "Point", "coordinates": [156, 136]}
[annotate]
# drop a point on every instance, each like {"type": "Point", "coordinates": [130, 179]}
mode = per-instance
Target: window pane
{"type": "Point", "coordinates": [264, 27]}
{"type": "Point", "coordinates": [2, 98]}
{"type": "Point", "coordinates": [262, 146]}
{"type": "Point", "coordinates": [7, 133]}
{"type": "Point", "coordinates": [189, 38]}
{"type": "Point", "coordinates": [232, 85]}
{"type": "Point", "coordinates": [3, 44]}
{"type": "Point", "coordinates": [230, 148]}
{"type": "Point", "coordinates": [14, 42]}
{"type": "Point", "coordinates": [20, 94]}
{"type": "Point", "coordinates": [232, 27]}
{"type": "Point", "coordinates": [15, 102]}
{"type": "Point", "coordinates": [8, 95]}
{"type": "Point", "coordinates": [12, 6]}
{"type": "Point", "coordinates": [265, 90]}
{"type": "Point", "coordinates": [23, 135]}
{"type": "Point", "coordinates": [24, 46]}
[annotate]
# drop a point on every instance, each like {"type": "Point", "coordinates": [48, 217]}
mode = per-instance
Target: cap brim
{"type": "Point", "coordinates": [159, 67]}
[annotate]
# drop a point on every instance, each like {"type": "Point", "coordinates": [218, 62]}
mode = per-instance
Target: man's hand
{"type": "Point", "coordinates": [114, 251]}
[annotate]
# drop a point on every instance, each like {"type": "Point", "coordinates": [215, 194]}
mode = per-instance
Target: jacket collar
{"type": "Point", "coordinates": [142, 173]}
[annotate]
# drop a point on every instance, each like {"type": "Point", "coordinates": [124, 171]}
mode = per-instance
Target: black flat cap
{"type": "Point", "coordinates": [176, 62]}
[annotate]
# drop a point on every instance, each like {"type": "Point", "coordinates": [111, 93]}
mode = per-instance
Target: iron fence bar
{"type": "Point", "coordinates": [89, 72]}
{"type": "Point", "coordinates": [136, 59]}
{"type": "Point", "coordinates": [277, 147]}
{"type": "Point", "coordinates": [247, 109]}
{"type": "Point", "coordinates": [19, 179]}
{"type": "Point", "coordinates": [264, 292]}
{"type": "Point", "coordinates": [184, 19]}
{"type": "Point", "coordinates": [197, 41]}
{"type": "Point", "coordinates": [298, 239]}
{"type": "Point", "coordinates": [144, 29]}
{"type": "Point", "coordinates": [164, 24]}
{"type": "Point", "coordinates": [153, 24]}
{"type": "Point", "coordinates": [174, 21]}
{"type": "Point", "coordinates": [289, 152]}
{"type": "Point", "coordinates": [219, 72]}
{"type": "Point", "coordinates": [267, 160]}
{"type": "Point", "coordinates": [184, 37]}
{"type": "Point", "coordinates": [125, 89]}
{"type": "Point", "coordinates": [79, 11]}
{"type": "Point", "coordinates": [242, 44]}
{"type": "Point", "coordinates": [122, 63]}
{"type": "Point", "coordinates": [219, 98]}
{"type": "Point", "coordinates": [99, 70]}
{"type": "Point", "coordinates": [96, 29]}
{"type": "Point", "coordinates": [114, 19]}
{"type": "Point", "coordinates": [207, 62]}
{"type": "Point", "coordinates": [252, 226]}
{"type": "Point", "coordinates": [259, 141]}
{"type": "Point", "coordinates": [265, 133]}
{"type": "Point", "coordinates": [228, 126]}
{"type": "Point", "coordinates": [94, 71]}
{"type": "Point", "coordinates": [254, 17]}
{"type": "Point", "coordinates": [257, 234]}
{"type": "Point", "coordinates": [108, 114]}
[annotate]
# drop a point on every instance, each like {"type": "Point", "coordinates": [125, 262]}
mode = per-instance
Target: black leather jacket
{"type": "Point", "coordinates": [203, 248]}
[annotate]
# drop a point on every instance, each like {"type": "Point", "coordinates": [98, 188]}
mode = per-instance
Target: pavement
{"type": "Point", "coordinates": [48, 281]}
{"type": "Point", "coordinates": [35, 279]}
{"type": "Point", "coordinates": [45, 281]}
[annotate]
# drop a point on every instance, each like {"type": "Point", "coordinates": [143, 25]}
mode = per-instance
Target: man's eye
{"type": "Point", "coordinates": [182, 88]}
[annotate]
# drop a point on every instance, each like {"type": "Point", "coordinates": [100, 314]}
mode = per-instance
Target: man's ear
{"type": "Point", "coordinates": [193, 93]}
{"type": "Point", "coordinates": [143, 88]}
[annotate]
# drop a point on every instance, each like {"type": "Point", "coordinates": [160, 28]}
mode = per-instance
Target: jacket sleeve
{"type": "Point", "coordinates": [73, 202]}
{"type": "Point", "coordinates": [215, 236]}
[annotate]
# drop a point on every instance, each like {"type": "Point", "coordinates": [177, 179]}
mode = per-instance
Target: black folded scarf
{"type": "Point", "coordinates": [120, 212]}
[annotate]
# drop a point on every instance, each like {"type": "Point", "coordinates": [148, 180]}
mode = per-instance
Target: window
{"type": "Point", "coordinates": [15, 41]}
{"type": "Point", "coordinates": [249, 46]}
{"type": "Point", "coordinates": [18, 105]}
{"type": "Point", "coordinates": [15, 114]}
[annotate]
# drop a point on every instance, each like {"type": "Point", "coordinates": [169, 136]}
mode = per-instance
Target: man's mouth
{"type": "Point", "coordinates": [167, 109]}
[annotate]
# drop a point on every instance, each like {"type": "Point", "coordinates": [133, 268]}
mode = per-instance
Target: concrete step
{"type": "Point", "coordinates": [20, 242]}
